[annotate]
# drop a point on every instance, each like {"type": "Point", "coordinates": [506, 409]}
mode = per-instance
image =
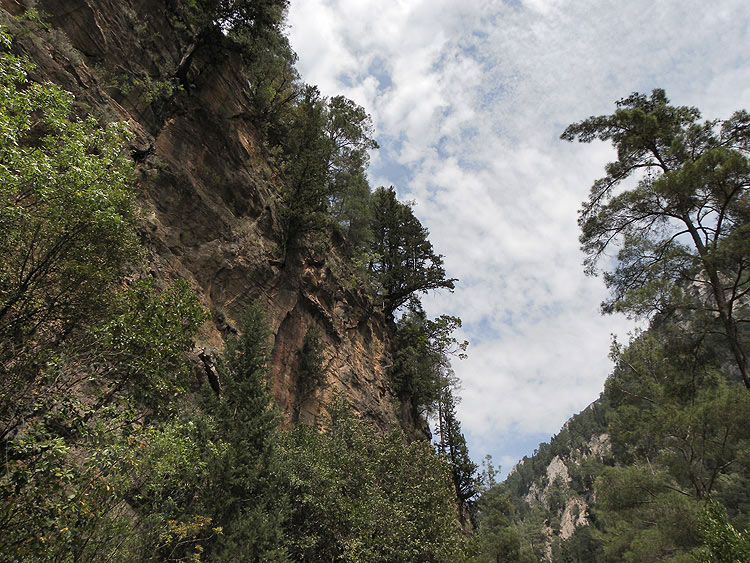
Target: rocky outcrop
{"type": "Point", "coordinates": [557, 482]}
{"type": "Point", "coordinates": [209, 195]}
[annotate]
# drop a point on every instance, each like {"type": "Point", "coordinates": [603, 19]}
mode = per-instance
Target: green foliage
{"type": "Point", "coordinates": [422, 351]}
{"type": "Point", "coordinates": [246, 504]}
{"type": "Point", "coordinates": [678, 425]}
{"type": "Point", "coordinates": [89, 367]}
{"type": "Point", "coordinates": [148, 88]}
{"type": "Point", "coordinates": [722, 543]}
{"type": "Point", "coordinates": [84, 446]}
{"type": "Point", "coordinates": [453, 445]}
{"type": "Point", "coordinates": [325, 156]}
{"type": "Point", "coordinates": [584, 546]}
{"type": "Point", "coordinates": [671, 407]}
{"type": "Point", "coordinates": [311, 375]}
{"type": "Point", "coordinates": [675, 205]}
{"type": "Point", "coordinates": [423, 377]}
{"type": "Point", "coordinates": [351, 208]}
{"type": "Point", "coordinates": [358, 495]}
{"type": "Point", "coordinates": [306, 155]}
{"type": "Point", "coordinates": [144, 342]}
{"type": "Point", "coordinates": [245, 19]}
{"type": "Point", "coordinates": [405, 263]}
{"type": "Point", "coordinates": [274, 87]}
{"type": "Point", "coordinates": [645, 517]}
{"type": "Point", "coordinates": [67, 218]}
{"type": "Point", "coordinates": [106, 455]}
{"type": "Point", "coordinates": [684, 223]}
{"type": "Point", "coordinates": [584, 473]}
{"type": "Point", "coordinates": [556, 495]}
{"type": "Point", "coordinates": [417, 365]}
{"type": "Point", "coordinates": [349, 131]}
{"type": "Point", "coordinates": [499, 537]}
{"type": "Point", "coordinates": [175, 475]}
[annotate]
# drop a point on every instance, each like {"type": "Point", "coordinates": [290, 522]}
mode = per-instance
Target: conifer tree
{"type": "Point", "coordinates": [453, 445]}
{"type": "Point", "coordinates": [247, 506]}
{"type": "Point", "coordinates": [404, 262]}
{"type": "Point", "coordinates": [684, 224]}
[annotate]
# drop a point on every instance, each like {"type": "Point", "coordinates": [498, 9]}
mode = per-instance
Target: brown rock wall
{"type": "Point", "coordinates": [209, 195]}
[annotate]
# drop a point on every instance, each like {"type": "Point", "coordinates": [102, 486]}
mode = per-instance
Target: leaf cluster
{"type": "Point", "coordinates": [363, 496]}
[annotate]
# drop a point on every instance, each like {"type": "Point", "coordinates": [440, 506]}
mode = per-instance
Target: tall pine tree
{"type": "Point", "coordinates": [248, 507]}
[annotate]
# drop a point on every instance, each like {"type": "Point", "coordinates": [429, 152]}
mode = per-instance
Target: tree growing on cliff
{"type": "Point", "coordinates": [423, 348]}
{"type": "Point", "coordinates": [325, 157]}
{"type": "Point", "coordinates": [251, 17]}
{"type": "Point", "coordinates": [252, 29]}
{"type": "Point", "coordinates": [452, 444]}
{"type": "Point", "coordinates": [306, 154]}
{"type": "Point", "coordinates": [685, 222]}
{"type": "Point", "coordinates": [404, 262]}
{"type": "Point", "coordinates": [350, 133]}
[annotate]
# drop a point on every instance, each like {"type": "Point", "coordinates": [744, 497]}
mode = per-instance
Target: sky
{"type": "Point", "coordinates": [468, 100]}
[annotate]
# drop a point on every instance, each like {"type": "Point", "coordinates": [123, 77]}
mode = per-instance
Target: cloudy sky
{"type": "Point", "coordinates": [469, 98]}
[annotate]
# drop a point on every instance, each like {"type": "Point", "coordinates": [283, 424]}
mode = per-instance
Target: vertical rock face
{"type": "Point", "coordinates": [209, 195]}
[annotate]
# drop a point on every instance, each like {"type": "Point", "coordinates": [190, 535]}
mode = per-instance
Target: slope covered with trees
{"type": "Point", "coordinates": [672, 482]}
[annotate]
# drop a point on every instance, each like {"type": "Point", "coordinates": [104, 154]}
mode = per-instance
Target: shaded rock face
{"type": "Point", "coordinates": [209, 196]}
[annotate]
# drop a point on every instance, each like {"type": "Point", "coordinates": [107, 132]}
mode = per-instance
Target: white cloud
{"type": "Point", "coordinates": [473, 99]}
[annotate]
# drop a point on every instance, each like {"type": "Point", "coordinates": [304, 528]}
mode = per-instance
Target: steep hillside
{"type": "Point", "coordinates": [553, 490]}
{"type": "Point", "coordinates": [654, 470]}
{"type": "Point", "coordinates": [209, 193]}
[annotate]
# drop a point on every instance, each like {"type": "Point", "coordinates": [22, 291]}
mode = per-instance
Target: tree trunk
{"type": "Point", "coordinates": [724, 308]}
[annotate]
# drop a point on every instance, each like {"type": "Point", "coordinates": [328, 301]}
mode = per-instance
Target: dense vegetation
{"type": "Point", "coordinates": [110, 452]}
{"type": "Point", "coordinates": [674, 484]}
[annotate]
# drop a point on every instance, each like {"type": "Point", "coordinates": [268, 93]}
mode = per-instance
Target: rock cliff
{"type": "Point", "coordinates": [556, 483]}
{"type": "Point", "coordinates": [208, 191]}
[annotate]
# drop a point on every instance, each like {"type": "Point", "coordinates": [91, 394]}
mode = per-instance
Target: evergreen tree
{"type": "Point", "coordinates": [349, 130]}
{"type": "Point", "coordinates": [686, 221]}
{"type": "Point", "coordinates": [245, 500]}
{"type": "Point", "coordinates": [326, 154]}
{"type": "Point", "coordinates": [721, 541]}
{"type": "Point", "coordinates": [404, 262]}
{"type": "Point", "coordinates": [499, 538]}
{"type": "Point", "coordinates": [307, 151]}
{"type": "Point", "coordinates": [678, 427]}
{"type": "Point", "coordinates": [243, 26]}
{"type": "Point", "coordinates": [422, 350]}
{"type": "Point", "coordinates": [453, 445]}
